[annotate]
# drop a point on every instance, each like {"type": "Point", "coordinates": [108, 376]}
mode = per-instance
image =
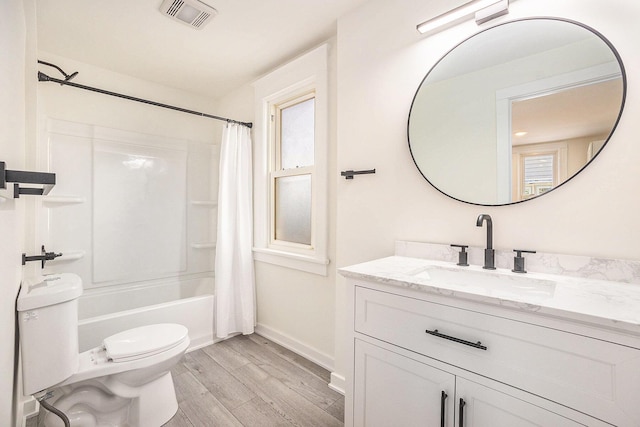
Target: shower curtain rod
{"type": "Point", "coordinates": [42, 77]}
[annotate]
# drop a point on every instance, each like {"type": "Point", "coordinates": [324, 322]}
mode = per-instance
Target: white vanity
{"type": "Point", "coordinates": [434, 344]}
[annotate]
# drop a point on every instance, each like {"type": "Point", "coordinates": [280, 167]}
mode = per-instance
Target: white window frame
{"type": "Point", "coordinates": [305, 74]}
{"type": "Point", "coordinates": [560, 167]}
{"type": "Point", "coordinates": [275, 171]}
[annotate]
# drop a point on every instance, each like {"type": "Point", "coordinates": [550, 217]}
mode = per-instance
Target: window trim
{"type": "Point", "coordinates": [305, 75]}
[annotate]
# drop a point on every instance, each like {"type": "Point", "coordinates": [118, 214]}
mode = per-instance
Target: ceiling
{"type": "Point", "coordinates": [246, 39]}
{"type": "Point", "coordinates": [584, 111]}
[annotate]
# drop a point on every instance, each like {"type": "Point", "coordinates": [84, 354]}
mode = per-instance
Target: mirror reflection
{"type": "Point", "coordinates": [516, 110]}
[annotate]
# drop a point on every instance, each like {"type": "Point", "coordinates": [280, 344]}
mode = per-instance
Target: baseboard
{"type": "Point", "coordinates": [337, 383]}
{"type": "Point", "coordinates": [200, 342]}
{"type": "Point", "coordinates": [296, 346]}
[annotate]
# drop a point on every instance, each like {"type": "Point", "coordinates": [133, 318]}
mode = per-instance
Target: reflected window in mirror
{"type": "Point", "coordinates": [536, 172]}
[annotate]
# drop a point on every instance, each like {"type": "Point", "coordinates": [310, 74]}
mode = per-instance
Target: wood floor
{"type": "Point", "coordinates": [253, 382]}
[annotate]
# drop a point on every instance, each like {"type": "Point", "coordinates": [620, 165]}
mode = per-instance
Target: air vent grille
{"type": "Point", "coordinates": [193, 13]}
{"type": "Point", "coordinates": [175, 7]}
{"type": "Point", "coordinates": [201, 19]}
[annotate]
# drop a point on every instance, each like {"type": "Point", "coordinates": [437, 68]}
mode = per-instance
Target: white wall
{"type": "Point", "coordinates": [295, 308]}
{"type": "Point", "coordinates": [13, 44]}
{"type": "Point", "coordinates": [381, 61]}
{"type": "Point", "coordinates": [72, 104]}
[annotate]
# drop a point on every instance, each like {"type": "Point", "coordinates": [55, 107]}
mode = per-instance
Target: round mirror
{"type": "Point", "coordinates": [516, 110]}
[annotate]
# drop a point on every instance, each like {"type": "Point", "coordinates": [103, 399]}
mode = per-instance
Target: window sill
{"type": "Point", "coordinates": [294, 261]}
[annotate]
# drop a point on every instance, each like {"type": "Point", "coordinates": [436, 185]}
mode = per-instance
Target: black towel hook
{"type": "Point", "coordinates": [350, 173]}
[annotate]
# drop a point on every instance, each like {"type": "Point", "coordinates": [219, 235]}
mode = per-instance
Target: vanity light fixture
{"type": "Point", "coordinates": [484, 10]}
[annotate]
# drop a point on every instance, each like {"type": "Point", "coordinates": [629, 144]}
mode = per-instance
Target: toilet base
{"type": "Point", "coordinates": [106, 402]}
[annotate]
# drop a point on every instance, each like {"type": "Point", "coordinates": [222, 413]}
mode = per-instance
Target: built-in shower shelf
{"type": "Point", "coordinates": [208, 245]}
{"type": "Point", "coordinates": [63, 200]}
{"type": "Point", "coordinates": [205, 203]}
{"type": "Point", "coordinates": [70, 256]}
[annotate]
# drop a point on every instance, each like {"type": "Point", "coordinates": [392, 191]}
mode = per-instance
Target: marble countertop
{"type": "Point", "coordinates": [610, 304]}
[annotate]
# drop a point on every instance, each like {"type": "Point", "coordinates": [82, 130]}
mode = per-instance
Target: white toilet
{"type": "Point", "coordinates": [124, 382]}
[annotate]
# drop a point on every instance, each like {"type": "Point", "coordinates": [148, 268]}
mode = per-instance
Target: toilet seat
{"type": "Point", "coordinates": [95, 363]}
{"type": "Point", "coordinates": [145, 341]}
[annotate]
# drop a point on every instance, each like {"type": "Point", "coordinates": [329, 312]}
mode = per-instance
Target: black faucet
{"type": "Point", "coordinates": [489, 253]}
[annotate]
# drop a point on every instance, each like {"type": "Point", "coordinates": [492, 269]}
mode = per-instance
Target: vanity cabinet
{"type": "Point", "coordinates": [417, 356]}
{"type": "Point", "coordinates": [395, 390]}
{"type": "Point", "coordinates": [392, 390]}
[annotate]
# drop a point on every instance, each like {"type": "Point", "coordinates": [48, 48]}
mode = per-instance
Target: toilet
{"type": "Point", "coordinates": [126, 381]}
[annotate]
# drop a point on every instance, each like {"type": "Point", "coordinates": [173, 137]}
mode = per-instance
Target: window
{"type": "Point", "coordinates": [539, 174]}
{"type": "Point", "coordinates": [538, 168]}
{"type": "Point", "coordinates": [292, 150]}
{"type": "Point", "coordinates": [290, 165]}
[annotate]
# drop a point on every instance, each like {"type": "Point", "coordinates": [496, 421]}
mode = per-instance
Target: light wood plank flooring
{"type": "Point", "coordinates": [251, 381]}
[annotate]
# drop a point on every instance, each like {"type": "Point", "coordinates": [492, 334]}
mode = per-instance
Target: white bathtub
{"type": "Point", "coordinates": [105, 313]}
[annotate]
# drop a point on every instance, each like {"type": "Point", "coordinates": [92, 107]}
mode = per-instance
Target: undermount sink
{"type": "Point", "coordinates": [496, 283]}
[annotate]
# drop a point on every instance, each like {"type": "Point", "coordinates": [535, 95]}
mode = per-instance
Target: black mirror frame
{"type": "Point", "coordinates": [615, 125]}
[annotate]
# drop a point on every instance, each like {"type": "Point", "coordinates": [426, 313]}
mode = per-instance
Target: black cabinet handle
{"type": "Point", "coordinates": [461, 413]}
{"type": "Point", "coordinates": [458, 340]}
{"type": "Point", "coordinates": [443, 398]}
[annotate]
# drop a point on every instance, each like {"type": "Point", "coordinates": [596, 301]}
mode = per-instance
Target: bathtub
{"type": "Point", "coordinates": [104, 312]}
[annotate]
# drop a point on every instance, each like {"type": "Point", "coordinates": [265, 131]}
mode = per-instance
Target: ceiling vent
{"type": "Point", "coordinates": [193, 13]}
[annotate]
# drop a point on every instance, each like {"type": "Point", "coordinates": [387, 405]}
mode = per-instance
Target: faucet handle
{"type": "Point", "coordinates": [518, 260]}
{"type": "Point", "coordinates": [462, 255]}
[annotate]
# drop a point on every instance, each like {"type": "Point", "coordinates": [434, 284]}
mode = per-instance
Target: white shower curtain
{"type": "Point", "coordinates": [235, 283]}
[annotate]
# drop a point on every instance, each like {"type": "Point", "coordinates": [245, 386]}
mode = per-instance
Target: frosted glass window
{"type": "Point", "coordinates": [297, 139]}
{"type": "Point", "coordinates": [293, 209]}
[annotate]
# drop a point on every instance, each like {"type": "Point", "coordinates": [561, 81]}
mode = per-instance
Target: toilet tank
{"type": "Point", "coordinates": [48, 322]}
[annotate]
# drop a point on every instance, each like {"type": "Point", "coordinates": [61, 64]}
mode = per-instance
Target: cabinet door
{"type": "Point", "coordinates": [391, 390]}
{"type": "Point", "coordinates": [485, 407]}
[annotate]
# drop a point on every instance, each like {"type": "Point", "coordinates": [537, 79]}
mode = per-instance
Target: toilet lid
{"type": "Point", "coordinates": [144, 341]}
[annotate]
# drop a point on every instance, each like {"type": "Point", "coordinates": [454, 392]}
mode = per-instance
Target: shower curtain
{"type": "Point", "coordinates": [235, 282]}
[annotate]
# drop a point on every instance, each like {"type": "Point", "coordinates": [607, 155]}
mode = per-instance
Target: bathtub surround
{"type": "Point", "coordinates": [235, 280]}
{"type": "Point", "coordinates": [128, 207]}
{"type": "Point", "coordinates": [134, 217]}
